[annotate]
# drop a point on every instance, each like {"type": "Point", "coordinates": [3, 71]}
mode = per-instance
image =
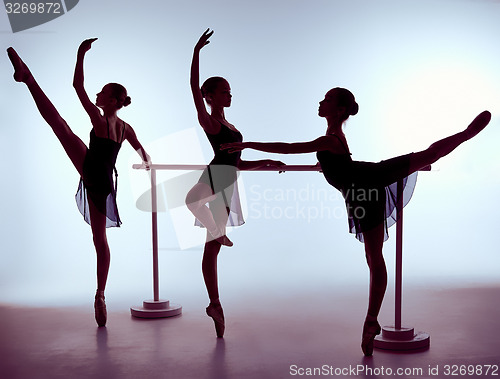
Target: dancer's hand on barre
{"type": "Point", "coordinates": [146, 159]}
{"type": "Point", "coordinates": [86, 45]}
{"type": "Point", "coordinates": [319, 166]}
{"type": "Point", "coordinates": [262, 164]}
{"type": "Point", "coordinates": [147, 163]}
{"type": "Point", "coordinates": [271, 163]}
{"type": "Point", "coordinates": [204, 39]}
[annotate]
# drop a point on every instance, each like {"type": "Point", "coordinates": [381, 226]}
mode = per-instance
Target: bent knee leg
{"type": "Point", "coordinates": [192, 201]}
{"type": "Point", "coordinates": [198, 196]}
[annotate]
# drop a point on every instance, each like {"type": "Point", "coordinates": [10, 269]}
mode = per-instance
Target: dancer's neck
{"type": "Point", "coordinates": [334, 127]}
{"type": "Point", "coordinates": [109, 113]}
{"type": "Point", "coordinates": [218, 113]}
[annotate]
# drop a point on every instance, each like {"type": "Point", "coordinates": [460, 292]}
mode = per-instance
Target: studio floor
{"type": "Point", "coordinates": [266, 337]}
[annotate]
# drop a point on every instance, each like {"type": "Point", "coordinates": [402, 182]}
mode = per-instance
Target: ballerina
{"type": "Point", "coordinates": [368, 188]}
{"type": "Point", "coordinates": [96, 196]}
{"type": "Point", "coordinates": [217, 184]}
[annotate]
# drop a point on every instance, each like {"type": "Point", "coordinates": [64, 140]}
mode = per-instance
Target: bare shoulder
{"type": "Point", "coordinates": [127, 128]}
{"type": "Point", "coordinates": [122, 123]}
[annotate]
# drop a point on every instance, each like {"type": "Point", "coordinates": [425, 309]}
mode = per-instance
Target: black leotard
{"type": "Point", "coordinates": [369, 189]}
{"type": "Point", "coordinates": [97, 180]}
{"type": "Point", "coordinates": [221, 174]}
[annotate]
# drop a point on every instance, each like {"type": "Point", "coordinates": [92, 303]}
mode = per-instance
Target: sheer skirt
{"type": "Point", "coordinates": [104, 201]}
{"type": "Point", "coordinates": [373, 195]}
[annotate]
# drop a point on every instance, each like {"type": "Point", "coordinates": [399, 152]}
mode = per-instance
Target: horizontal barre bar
{"type": "Point", "coordinates": [187, 167]}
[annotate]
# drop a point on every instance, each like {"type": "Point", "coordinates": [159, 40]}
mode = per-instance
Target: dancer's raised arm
{"type": "Point", "coordinates": [206, 121]}
{"type": "Point", "coordinates": [89, 106]}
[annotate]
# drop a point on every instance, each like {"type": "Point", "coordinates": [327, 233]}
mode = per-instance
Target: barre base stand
{"type": "Point", "coordinates": [397, 337]}
{"type": "Point", "coordinates": [155, 308]}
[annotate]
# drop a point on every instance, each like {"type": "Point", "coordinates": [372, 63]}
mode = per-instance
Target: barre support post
{"type": "Point", "coordinates": [397, 337]}
{"type": "Point", "coordinates": [155, 308]}
{"type": "Point", "coordinates": [399, 258]}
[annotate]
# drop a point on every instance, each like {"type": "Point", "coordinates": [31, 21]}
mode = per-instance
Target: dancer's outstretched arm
{"type": "Point", "coordinates": [90, 108]}
{"type": "Point", "coordinates": [207, 122]}
{"type": "Point", "coordinates": [319, 144]}
{"type": "Point", "coordinates": [255, 165]}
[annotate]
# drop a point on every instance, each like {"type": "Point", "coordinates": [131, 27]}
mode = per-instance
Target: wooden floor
{"type": "Point", "coordinates": [266, 337]}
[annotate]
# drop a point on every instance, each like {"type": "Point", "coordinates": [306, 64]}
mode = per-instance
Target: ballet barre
{"type": "Point", "coordinates": [394, 337]}
{"type": "Point", "coordinates": [158, 308]}
{"type": "Point", "coordinates": [188, 167]}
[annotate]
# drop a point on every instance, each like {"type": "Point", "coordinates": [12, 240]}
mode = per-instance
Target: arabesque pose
{"type": "Point", "coordinates": [369, 188]}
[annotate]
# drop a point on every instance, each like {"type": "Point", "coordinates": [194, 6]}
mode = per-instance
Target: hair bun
{"type": "Point", "coordinates": [354, 108]}
{"type": "Point", "coordinates": [127, 101]}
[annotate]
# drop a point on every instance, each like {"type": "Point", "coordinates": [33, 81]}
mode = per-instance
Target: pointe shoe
{"type": "Point", "coordinates": [370, 330]}
{"type": "Point", "coordinates": [21, 71]}
{"type": "Point", "coordinates": [215, 311]}
{"type": "Point", "coordinates": [100, 309]}
{"type": "Point", "coordinates": [478, 124]}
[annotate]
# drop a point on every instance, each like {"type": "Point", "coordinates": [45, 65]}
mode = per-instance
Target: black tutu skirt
{"type": "Point", "coordinates": [373, 194]}
{"type": "Point", "coordinates": [105, 202]}
{"type": "Point", "coordinates": [222, 179]}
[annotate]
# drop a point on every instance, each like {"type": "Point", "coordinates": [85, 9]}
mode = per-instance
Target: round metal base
{"type": "Point", "coordinates": [401, 339]}
{"type": "Point", "coordinates": [156, 309]}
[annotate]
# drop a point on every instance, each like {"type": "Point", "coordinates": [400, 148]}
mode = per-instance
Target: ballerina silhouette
{"type": "Point", "coordinates": [368, 188]}
{"type": "Point", "coordinates": [216, 185]}
{"type": "Point", "coordinates": [96, 196]}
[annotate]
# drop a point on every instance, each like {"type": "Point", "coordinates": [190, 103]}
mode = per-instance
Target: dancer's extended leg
{"type": "Point", "coordinates": [98, 225]}
{"type": "Point", "coordinates": [71, 143]}
{"type": "Point", "coordinates": [374, 240]}
{"type": "Point", "coordinates": [445, 146]}
{"type": "Point", "coordinates": [196, 201]}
